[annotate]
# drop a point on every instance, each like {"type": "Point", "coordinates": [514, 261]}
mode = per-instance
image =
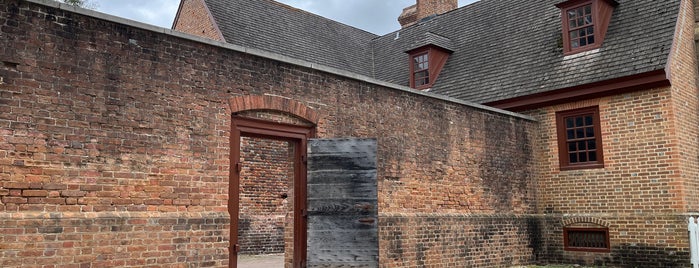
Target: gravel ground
{"type": "Point", "coordinates": [261, 261]}
{"type": "Point", "coordinates": [277, 261]}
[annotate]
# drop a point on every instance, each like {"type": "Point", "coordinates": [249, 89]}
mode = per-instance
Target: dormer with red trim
{"type": "Point", "coordinates": [585, 23]}
{"type": "Point", "coordinates": [427, 58]}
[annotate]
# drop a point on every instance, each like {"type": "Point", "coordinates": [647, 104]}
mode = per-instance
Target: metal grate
{"type": "Point", "coordinates": [586, 239]}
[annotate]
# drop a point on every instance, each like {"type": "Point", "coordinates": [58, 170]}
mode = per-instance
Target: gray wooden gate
{"type": "Point", "coordinates": [342, 203]}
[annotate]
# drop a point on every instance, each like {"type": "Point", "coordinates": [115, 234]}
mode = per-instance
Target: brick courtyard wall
{"type": "Point", "coordinates": [120, 134]}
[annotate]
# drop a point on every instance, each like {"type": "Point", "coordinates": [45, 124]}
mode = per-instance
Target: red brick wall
{"type": "Point", "coordinates": [649, 181]}
{"type": "Point", "coordinates": [636, 191]}
{"type": "Point", "coordinates": [685, 106]}
{"type": "Point", "coordinates": [113, 119]}
{"type": "Point", "coordinates": [195, 18]}
{"type": "Point", "coordinates": [426, 8]}
{"type": "Point", "coordinates": [266, 196]}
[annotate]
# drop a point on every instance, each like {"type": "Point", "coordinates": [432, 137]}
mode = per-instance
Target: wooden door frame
{"type": "Point", "coordinates": [296, 135]}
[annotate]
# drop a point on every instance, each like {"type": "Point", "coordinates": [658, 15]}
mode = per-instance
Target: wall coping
{"type": "Point", "coordinates": [269, 55]}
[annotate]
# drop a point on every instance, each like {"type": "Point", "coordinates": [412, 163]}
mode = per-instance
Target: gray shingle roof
{"type": "Point", "coordinates": [511, 48]}
{"type": "Point", "coordinates": [278, 28]}
{"type": "Point", "coordinates": [429, 38]}
{"type": "Point", "coordinates": [501, 48]}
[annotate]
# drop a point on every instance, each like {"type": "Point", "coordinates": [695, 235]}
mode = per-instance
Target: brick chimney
{"type": "Point", "coordinates": [424, 9]}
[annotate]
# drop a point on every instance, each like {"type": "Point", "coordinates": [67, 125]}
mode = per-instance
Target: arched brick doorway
{"type": "Point", "coordinates": [247, 124]}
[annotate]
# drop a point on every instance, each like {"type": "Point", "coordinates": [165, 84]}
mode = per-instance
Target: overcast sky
{"type": "Point", "coordinates": [376, 16]}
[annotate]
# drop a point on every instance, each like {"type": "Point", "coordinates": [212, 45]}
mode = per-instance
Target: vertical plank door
{"type": "Point", "coordinates": [342, 203]}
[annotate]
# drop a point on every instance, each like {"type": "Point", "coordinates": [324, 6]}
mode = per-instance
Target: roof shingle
{"type": "Point", "coordinates": [278, 28]}
{"type": "Point", "coordinates": [501, 48]}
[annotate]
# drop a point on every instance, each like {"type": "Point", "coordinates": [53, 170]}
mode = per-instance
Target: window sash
{"type": "Point", "coordinates": [579, 139]}
{"type": "Point", "coordinates": [421, 66]}
{"type": "Point", "coordinates": [581, 27]}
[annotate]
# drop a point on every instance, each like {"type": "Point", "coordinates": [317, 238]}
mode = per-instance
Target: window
{"type": "Point", "coordinates": [421, 72]}
{"type": "Point", "coordinates": [425, 65]}
{"type": "Point", "coordinates": [581, 31]}
{"type": "Point", "coordinates": [586, 239]}
{"type": "Point", "coordinates": [585, 23]}
{"type": "Point", "coordinates": [579, 139]}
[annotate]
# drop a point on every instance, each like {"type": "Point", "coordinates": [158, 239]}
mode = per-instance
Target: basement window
{"type": "Point", "coordinates": [579, 139]}
{"type": "Point", "coordinates": [586, 239]}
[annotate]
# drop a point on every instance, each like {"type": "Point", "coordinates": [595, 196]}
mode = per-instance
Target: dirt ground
{"type": "Point", "coordinates": [261, 261]}
{"type": "Point", "coordinates": [277, 261]}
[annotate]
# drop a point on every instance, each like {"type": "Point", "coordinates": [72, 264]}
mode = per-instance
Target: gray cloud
{"type": "Point", "coordinates": [379, 17]}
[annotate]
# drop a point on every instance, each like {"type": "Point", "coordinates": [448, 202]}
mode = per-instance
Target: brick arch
{"type": "Point", "coordinates": [266, 102]}
{"type": "Point", "coordinates": [592, 220]}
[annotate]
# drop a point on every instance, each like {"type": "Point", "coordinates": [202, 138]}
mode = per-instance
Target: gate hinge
{"type": "Point", "coordinates": [238, 167]}
{"type": "Point", "coordinates": [236, 248]}
{"type": "Point", "coordinates": [304, 159]}
{"type": "Point", "coordinates": [304, 213]}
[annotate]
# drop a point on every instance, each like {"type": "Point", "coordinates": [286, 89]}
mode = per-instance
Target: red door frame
{"type": "Point", "coordinates": [297, 135]}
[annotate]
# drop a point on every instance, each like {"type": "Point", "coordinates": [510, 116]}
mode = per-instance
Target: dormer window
{"type": "Point", "coordinates": [425, 65]}
{"type": "Point", "coordinates": [427, 57]}
{"type": "Point", "coordinates": [585, 23]}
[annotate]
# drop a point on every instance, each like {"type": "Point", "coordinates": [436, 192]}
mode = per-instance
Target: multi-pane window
{"type": "Point", "coordinates": [585, 24]}
{"type": "Point", "coordinates": [421, 73]}
{"type": "Point", "coordinates": [581, 31]}
{"type": "Point", "coordinates": [586, 239]}
{"type": "Point", "coordinates": [579, 139]}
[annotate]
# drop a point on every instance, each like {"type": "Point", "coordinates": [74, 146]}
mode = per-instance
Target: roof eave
{"type": "Point", "coordinates": [631, 83]}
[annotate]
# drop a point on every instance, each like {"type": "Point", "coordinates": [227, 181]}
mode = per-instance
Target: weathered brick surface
{"type": "Point", "coordinates": [425, 8]}
{"type": "Point", "coordinates": [108, 118]}
{"type": "Point", "coordinates": [457, 240]}
{"type": "Point", "coordinates": [195, 19]}
{"type": "Point", "coordinates": [649, 181]}
{"type": "Point", "coordinates": [685, 106]}
{"type": "Point", "coordinates": [117, 239]}
{"type": "Point", "coordinates": [637, 241]}
{"type": "Point", "coordinates": [639, 180]}
{"type": "Point", "coordinates": [266, 196]}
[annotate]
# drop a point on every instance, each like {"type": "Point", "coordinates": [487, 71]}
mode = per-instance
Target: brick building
{"type": "Point", "coordinates": [127, 145]}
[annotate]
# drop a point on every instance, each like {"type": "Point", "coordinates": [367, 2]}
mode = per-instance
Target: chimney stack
{"type": "Point", "coordinates": [424, 9]}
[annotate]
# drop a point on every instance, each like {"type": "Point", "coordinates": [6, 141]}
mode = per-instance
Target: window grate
{"type": "Point", "coordinates": [586, 239]}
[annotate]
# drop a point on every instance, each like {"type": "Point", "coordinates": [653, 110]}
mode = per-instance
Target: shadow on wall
{"type": "Point", "coordinates": [640, 256]}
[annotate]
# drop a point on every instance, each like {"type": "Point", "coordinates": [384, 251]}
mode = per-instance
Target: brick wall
{"type": "Point", "coordinates": [685, 106]}
{"type": "Point", "coordinates": [112, 239]}
{"type": "Point", "coordinates": [648, 183]}
{"type": "Point", "coordinates": [426, 8]}
{"type": "Point", "coordinates": [101, 118]}
{"type": "Point", "coordinates": [636, 192]}
{"type": "Point", "coordinates": [266, 196]}
{"type": "Point", "coordinates": [196, 19]}
{"type": "Point", "coordinates": [458, 240]}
